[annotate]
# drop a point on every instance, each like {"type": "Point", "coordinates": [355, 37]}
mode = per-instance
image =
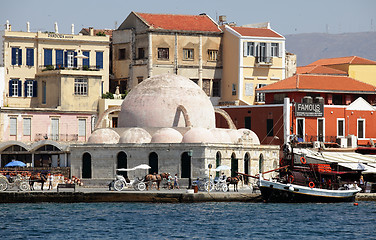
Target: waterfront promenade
{"type": "Point", "coordinates": [83, 194]}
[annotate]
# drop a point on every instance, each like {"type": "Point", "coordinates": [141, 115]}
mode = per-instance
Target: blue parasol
{"type": "Point", "coordinates": [15, 163]}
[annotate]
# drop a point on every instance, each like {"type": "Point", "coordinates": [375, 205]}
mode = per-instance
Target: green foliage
{"type": "Point", "coordinates": [108, 95]}
{"type": "Point", "coordinates": [101, 34]}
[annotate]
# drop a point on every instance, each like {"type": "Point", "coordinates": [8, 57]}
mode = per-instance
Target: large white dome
{"type": "Point", "coordinates": [156, 102]}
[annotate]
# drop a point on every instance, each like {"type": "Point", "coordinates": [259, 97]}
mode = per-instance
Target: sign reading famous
{"type": "Point", "coordinates": [309, 110]}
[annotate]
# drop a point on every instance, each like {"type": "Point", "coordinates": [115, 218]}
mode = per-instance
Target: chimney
{"type": "Point", "coordinates": [56, 28]}
{"type": "Point", "coordinates": [28, 26]}
{"type": "Point", "coordinates": [72, 29]}
{"type": "Point", "coordinates": [91, 31]}
{"type": "Point", "coordinates": [7, 26]}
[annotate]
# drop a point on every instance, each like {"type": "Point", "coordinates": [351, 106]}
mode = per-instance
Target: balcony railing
{"type": "Point", "coordinates": [61, 67]}
{"type": "Point", "coordinates": [57, 137]}
{"type": "Point", "coordinates": [264, 60]}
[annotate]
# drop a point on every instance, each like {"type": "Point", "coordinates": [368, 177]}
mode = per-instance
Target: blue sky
{"type": "Point", "coordinates": [286, 17]}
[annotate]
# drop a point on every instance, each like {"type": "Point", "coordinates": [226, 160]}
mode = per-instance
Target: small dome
{"type": "Point", "coordinates": [163, 100]}
{"type": "Point", "coordinates": [234, 134]}
{"type": "Point", "coordinates": [198, 135]}
{"type": "Point", "coordinates": [221, 135]}
{"type": "Point", "coordinates": [167, 135]}
{"type": "Point", "coordinates": [249, 136]}
{"type": "Point", "coordinates": [104, 135]}
{"type": "Point", "coordinates": [135, 135]}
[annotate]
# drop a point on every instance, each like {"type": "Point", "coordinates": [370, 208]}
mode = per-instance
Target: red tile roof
{"type": "Point", "coordinates": [344, 60]}
{"type": "Point", "coordinates": [256, 32]}
{"type": "Point", "coordinates": [201, 23]}
{"type": "Point", "coordinates": [316, 69]}
{"type": "Point", "coordinates": [318, 83]}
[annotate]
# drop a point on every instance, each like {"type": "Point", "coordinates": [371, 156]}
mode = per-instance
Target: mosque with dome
{"type": "Point", "coordinates": [168, 122]}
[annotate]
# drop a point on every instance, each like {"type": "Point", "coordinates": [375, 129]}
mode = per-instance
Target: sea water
{"type": "Point", "coordinates": [188, 221]}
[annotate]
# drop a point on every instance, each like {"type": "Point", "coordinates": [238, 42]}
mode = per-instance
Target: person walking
{"type": "Point", "coordinates": [50, 179]}
{"type": "Point", "coordinates": [169, 184]}
{"type": "Point", "coordinates": [176, 181]}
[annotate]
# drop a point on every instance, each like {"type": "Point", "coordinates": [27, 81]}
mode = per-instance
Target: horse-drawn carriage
{"type": "Point", "coordinates": [214, 184]}
{"type": "Point", "coordinates": [137, 184]}
{"type": "Point", "coordinates": [18, 181]}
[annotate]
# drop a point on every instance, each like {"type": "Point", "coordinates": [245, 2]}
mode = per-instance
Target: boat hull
{"type": "Point", "coordinates": [290, 193]}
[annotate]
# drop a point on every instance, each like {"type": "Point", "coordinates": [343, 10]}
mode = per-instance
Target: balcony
{"type": "Point", "coordinates": [264, 61]}
{"type": "Point", "coordinates": [60, 67]}
{"type": "Point", "coordinates": [56, 137]}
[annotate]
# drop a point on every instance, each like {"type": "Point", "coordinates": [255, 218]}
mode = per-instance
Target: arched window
{"type": "Point", "coordinates": [86, 165]}
{"type": "Point", "coordinates": [185, 165]}
{"type": "Point", "coordinates": [122, 163]}
{"type": "Point", "coordinates": [153, 163]}
{"type": "Point", "coordinates": [234, 165]}
{"type": "Point", "coordinates": [246, 167]}
{"type": "Point", "coordinates": [261, 163]}
{"type": "Point", "coordinates": [217, 161]}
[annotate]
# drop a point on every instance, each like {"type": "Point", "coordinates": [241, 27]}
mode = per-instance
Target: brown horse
{"type": "Point", "coordinates": [234, 181]}
{"type": "Point", "coordinates": [36, 177]}
{"type": "Point", "coordinates": [154, 178]}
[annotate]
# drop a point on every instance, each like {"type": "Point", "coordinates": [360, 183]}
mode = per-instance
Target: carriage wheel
{"type": "Point", "coordinates": [118, 185]}
{"type": "Point", "coordinates": [141, 186]}
{"type": "Point", "coordinates": [209, 186]}
{"type": "Point", "coordinates": [217, 187]}
{"type": "Point", "coordinates": [3, 185]}
{"type": "Point", "coordinates": [23, 186]}
{"type": "Point", "coordinates": [224, 188]}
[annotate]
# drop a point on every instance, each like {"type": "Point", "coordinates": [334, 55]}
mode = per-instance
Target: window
{"type": "Point", "coordinates": [274, 49]}
{"type": "Point", "coordinates": [30, 57]}
{"type": "Point", "coordinates": [13, 127]}
{"type": "Point", "coordinates": [70, 61]}
{"type": "Point", "coordinates": [163, 53]}
{"type": "Point", "coordinates": [249, 49]}
{"type": "Point", "coordinates": [30, 88]}
{"type": "Point", "coordinates": [321, 129]}
{"type": "Point", "coordinates": [59, 55]}
{"type": "Point", "coordinates": [99, 59]}
{"type": "Point", "coordinates": [141, 53]}
{"type": "Point", "coordinates": [361, 128]}
{"type": "Point", "coordinates": [140, 79]}
{"type": "Point", "coordinates": [121, 55]}
{"type": "Point", "coordinates": [233, 89]}
{"type": "Point", "coordinates": [47, 57]}
{"type": "Point", "coordinates": [260, 97]}
{"type": "Point", "coordinates": [44, 92]}
{"type": "Point", "coordinates": [86, 61]}
{"type": "Point", "coordinates": [262, 52]}
{"type": "Point", "coordinates": [212, 55]}
{"type": "Point", "coordinates": [300, 129]}
{"type": "Point", "coordinates": [340, 127]}
{"type": "Point", "coordinates": [216, 88]}
{"type": "Point", "coordinates": [15, 88]}
{"type": "Point", "coordinates": [247, 123]}
{"type": "Point", "coordinates": [55, 129]}
{"type": "Point", "coordinates": [16, 56]}
{"type": "Point", "coordinates": [188, 54]}
{"type": "Point", "coordinates": [82, 127]}
{"type": "Point", "coordinates": [26, 126]}
{"type": "Point", "coordinates": [269, 128]}
{"type": "Point", "coordinates": [80, 86]}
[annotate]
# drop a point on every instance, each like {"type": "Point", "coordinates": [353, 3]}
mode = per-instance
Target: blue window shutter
{"type": "Point", "coordinates": [25, 88]}
{"type": "Point", "coordinates": [75, 60]}
{"type": "Point", "coordinates": [86, 61]}
{"type": "Point", "coordinates": [19, 57]}
{"type": "Point", "coordinates": [59, 58]}
{"type": "Point", "coordinates": [66, 59]}
{"type": "Point", "coordinates": [10, 88]}
{"type": "Point", "coordinates": [14, 53]}
{"type": "Point", "coordinates": [19, 88]}
{"type": "Point", "coordinates": [35, 88]}
{"type": "Point", "coordinates": [47, 57]}
{"type": "Point", "coordinates": [30, 57]}
{"type": "Point", "coordinates": [99, 57]}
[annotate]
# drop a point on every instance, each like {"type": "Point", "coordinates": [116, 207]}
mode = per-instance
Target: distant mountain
{"type": "Point", "coordinates": [310, 47]}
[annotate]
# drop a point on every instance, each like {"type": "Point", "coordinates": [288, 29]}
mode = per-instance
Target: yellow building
{"type": "Point", "coordinates": [151, 44]}
{"type": "Point", "coordinates": [358, 68]}
{"type": "Point", "coordinates": [253, 56]}
{"type": "Point", "coordinates": [52, 76]}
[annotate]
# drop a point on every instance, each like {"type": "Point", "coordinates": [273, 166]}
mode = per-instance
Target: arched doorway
{"type": "Point", "coordinates": [218, 157]}
{"type": "Point", "coordinates": [246, 167]}
{"type": "Point", "coordinates": [153, 163]}
{"type": "Point", "coordinates": [185, 165]}
{"type": "Point", "coordinates": [261, 163]}
{"type": "Point", "coordinates": [122, 163]}
{"type": "Point", "coordinates": [234, 165]}
{"type": "Point", "coordinates": [86, 165]}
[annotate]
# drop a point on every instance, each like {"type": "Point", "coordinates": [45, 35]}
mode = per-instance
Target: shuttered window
{"type": "Point", "coordinates": [16, 56]}
{"type": "Point", "coordinates": [15, 88]}
{"type": "Point", "coordinates": [81, 127]}
{"type": "Point", "coordinates": [59, 59]}
{"type": "Point", "coordinates": [47, 57]}
{"type": "Point", "coordinates": [27, 126]}
{"type": "Point", "coordinates": [55, 129]}
{"type": "Point", "coordinates": [86, 61]}
{"type": "Point", "coordinates": [30, 57]}
{"type": "Point", "coordinates": [13, 127]}
{"type": "Point", "coordinates": [99, 60]}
